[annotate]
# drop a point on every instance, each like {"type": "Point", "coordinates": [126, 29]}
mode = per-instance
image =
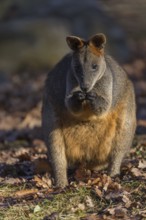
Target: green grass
{"type": "Point", "coordinates": [69, 205]}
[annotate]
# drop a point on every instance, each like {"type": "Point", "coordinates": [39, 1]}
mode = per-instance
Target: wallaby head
{"type": "Point", "coordinates": [88, 63]}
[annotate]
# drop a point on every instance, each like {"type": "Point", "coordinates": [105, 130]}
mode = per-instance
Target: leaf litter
{"type": "Point", "coordinates": [25, 175]}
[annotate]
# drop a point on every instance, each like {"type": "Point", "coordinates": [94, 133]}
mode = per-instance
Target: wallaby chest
{"type": "Point", "coordinates": [90, 140]}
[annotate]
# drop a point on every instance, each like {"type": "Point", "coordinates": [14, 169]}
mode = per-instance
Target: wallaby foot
{"type": "Point", "coordinates": [61, 183]}
{"type": "Point", "coordinates": [116, 162]}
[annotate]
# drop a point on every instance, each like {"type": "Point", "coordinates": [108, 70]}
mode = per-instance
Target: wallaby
{"type": "Point", "coordinates": [88, 114]}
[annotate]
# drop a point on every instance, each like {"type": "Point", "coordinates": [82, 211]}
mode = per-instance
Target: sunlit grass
{"type": "Point", "coordinates": [69, 205]}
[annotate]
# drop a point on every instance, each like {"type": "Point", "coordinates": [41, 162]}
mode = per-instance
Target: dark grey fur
{"type": "Point", "coordinates": [74, 79]}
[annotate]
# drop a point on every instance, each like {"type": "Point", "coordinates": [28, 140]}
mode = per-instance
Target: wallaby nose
{"type": "Point", "coordinates": [85, 88]}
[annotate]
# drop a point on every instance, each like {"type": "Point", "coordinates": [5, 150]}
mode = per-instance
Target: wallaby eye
{"type": "Point", "coordinates": [94, 66]}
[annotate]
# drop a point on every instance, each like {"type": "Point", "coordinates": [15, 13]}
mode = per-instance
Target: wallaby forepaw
{"type": "Point", "coordinates": [91, 96]}
{"type": "Point", "coordinates": [79, 95]}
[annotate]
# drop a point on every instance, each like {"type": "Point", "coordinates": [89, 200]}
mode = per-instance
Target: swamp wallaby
{"type": "Point", "coordinates": [88, 114]}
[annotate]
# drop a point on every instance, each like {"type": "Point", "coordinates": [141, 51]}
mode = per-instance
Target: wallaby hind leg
{"type": "Point", "coordinates": [57, 157]}
{"type": "Point", "coordinates": [122, 144]}
{"type": "Point", "coordinates": [115, 162]}
{"type": "Point", "coordinates": [56, 148]}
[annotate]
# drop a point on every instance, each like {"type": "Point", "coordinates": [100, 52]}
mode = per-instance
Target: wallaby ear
{"type": "Point", "coordinates": [74, 42]}
{"type": "Point", "coordinates": [98, 41]}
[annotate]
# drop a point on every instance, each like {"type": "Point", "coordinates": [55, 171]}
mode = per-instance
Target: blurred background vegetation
{"type": "Point", "coordinates": [32, 40]}
{"type": "Point", "coordinates": [32, 33]}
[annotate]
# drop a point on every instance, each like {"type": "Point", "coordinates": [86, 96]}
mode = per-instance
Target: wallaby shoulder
{"type": "Point", "coordinates": [122, 86]}
{"type": "Point", "coordinates": [59, 71]}
{"type": "Point", "coordinates": [56, 80]}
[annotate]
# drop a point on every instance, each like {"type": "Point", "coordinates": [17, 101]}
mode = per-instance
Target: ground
{"type": "Point", "coordinates": [26, 190]}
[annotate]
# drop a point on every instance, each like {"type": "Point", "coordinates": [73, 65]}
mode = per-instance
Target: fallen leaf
{"type": "Point", "coordinates": [143, 213]}
{"type": "Point", "coordinates": [12, 180]}
{"type": "Point", "coordinates": [80, 206]}
{"type": "Point", "coordinates": [37, 208]}
{"type": "Point", "coordinates": [89, 202]}
{"type": "Point", "coordinates": [115, 186]}
{"type": "Point", "coordinates": [98, 191]}
{"type": "Point", "coordinates": [127, 201]}
{"type": "Point", "coordinates": [25, 192]}
{"type": "Point", "coordinates": [46, 179]}
{"type": "Point", "coordinates": [137, 172]}
{"type": "Point", "coordinates": [142, 164]}
{"type": "Point", "coordinates": [108, 181]}
{"type": "Point", "coordinates": [111, 211]}
{"type": "Point", "coordinates": [95, 181]}
{"type": "Point", "coordinates": [44, 182]}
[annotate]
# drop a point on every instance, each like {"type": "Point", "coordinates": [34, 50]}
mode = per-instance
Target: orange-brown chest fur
{"type": "Point", "coordinates": [91, 141]}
